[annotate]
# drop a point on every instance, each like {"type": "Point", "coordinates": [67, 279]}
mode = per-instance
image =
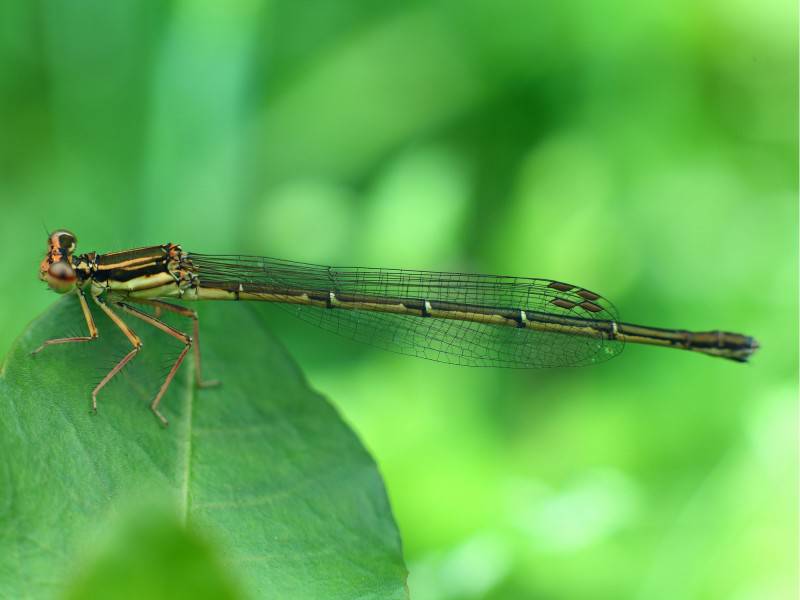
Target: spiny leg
{"type": "Point", "coordinates": [132, 337]}
{"type": "Point", "coordinates": [169, 331]}
{"type": "Point", "coordinates": [160, 305]}
{"type": "Point", "coordinates": [89, 323]}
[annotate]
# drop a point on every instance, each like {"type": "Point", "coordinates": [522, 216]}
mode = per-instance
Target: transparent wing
{"type": "Point", "coordinates": [461, 342]}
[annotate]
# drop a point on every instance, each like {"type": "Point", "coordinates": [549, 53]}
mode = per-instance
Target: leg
{"type": "Point", "coordinates": [169, 331]}
{"type": "Point", "coordinates": [132, 338]}
{"type": "Point", "coordinates": [160, 305]}
{"type": "Point", "coordinates": [89, 323]}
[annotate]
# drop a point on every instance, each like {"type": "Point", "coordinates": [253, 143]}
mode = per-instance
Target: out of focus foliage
{"type": "Point", "coordinates": [646, 151]}
{"type": "Point", "coordinates": [153, 557]}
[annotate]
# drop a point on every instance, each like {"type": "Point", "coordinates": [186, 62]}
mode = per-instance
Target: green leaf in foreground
{"type": "Point", "coordinates": [262, 465]}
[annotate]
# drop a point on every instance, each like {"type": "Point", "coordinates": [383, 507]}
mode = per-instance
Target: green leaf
{"type": "Point", "coordinates": [262, 466]}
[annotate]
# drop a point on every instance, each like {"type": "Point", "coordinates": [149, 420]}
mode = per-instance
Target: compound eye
{"type": "Point", "coordinates": [64, 240]}
{"type": "Point", "coordinates": [61, 271]}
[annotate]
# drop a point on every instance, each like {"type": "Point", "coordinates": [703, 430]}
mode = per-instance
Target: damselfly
{"type": "Point", "coordinates": [457, 318]}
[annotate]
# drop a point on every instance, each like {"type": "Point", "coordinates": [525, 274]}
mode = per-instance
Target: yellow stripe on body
{"type": "Point", "coordinates": [146, 286]}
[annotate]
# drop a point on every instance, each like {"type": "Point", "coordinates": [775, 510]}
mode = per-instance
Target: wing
{"type": "Point", "coordinates": [454, 341]}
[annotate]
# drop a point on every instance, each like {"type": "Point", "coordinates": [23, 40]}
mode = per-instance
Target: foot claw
{"type": "Point", "coordinates": [161, 417]}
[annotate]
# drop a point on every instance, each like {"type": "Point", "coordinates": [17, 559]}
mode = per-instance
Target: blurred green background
{"type": "Point", "coordinates": [644, 150]}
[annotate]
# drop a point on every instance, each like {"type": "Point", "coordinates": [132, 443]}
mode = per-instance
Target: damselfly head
{"type": "Point", "coordinates": [56, 268]}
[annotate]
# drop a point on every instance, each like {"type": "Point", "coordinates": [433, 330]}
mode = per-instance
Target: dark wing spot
{"type": "Point", "coordinates": [562, 287]}
{"type": "Point", "coordinates": [591, 307]}
{"type": "Point", "coordinates": [588, 295]}
{"type": "Point", "coordinates": [563, 303]}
